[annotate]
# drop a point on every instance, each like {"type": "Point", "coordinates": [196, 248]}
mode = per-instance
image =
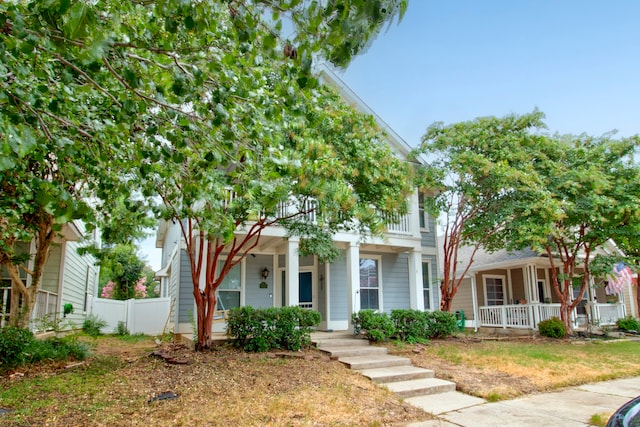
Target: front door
{"type": "Point", "coordinates": [305, 290]}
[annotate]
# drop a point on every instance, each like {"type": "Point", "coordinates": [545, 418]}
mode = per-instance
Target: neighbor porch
{"type": "Point", "coordinates": [528, 316]}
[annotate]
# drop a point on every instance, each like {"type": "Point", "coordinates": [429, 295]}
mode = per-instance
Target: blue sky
{"type": "Point", "coordinates": [578, 61]}
{"type": "Point", "coordinates": [451, 61]}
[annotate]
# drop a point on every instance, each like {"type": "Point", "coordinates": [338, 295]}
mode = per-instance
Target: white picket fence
{"type": "Point", "coordinates": [140, 316]}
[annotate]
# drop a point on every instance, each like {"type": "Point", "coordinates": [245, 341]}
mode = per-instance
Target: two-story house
{"type": "Point", "coordinates": [382, 273]}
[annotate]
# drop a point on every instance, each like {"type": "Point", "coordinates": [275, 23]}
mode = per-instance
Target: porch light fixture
{"type": "Point", "coordinates": [265, 273]}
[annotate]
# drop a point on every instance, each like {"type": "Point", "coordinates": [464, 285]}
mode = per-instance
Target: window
{"type": "Point", "coordinates": [422, 212]}
{"type": "Point", "coordinates": [426, 285]}
{"type": "Point", "coordinates": [494, 290]}
{"type": "Point", "coordinates": [229, 290]}
{"type": "Point", "coordinates": [581, 308]}
{"type": "Point", "coordinates": [369, 284]}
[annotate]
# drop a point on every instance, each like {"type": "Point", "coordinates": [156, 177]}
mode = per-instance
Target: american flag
{"type": "Point", "coordinates": [621, 277]}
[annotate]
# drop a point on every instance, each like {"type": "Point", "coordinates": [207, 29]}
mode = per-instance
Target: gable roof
{"type": "Point", "coordinates": [330, 77]}
{"type": "Point", "coordinates": [484, 260]}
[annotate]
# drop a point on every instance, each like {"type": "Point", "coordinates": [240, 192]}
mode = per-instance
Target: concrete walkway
{"type": "Point", "coordinates": [569, 407]}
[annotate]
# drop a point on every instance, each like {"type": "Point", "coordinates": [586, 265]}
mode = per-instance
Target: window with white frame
{"type": "Point", "coordinates": [494, 290]}
{"type": "Point", "coordinates": [422, 212]}
{"type": "Point", "coordinates": [229, 292]}
{"type": "Point", "coordinates": [426, 285]}
{"type": "Point", "coordinates": [369, 283]}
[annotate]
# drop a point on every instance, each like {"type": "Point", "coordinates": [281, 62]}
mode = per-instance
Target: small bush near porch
{"type": "Point", "coordinates": [283, 328]}
{"type": "Point", "coordinates": [412, 326]}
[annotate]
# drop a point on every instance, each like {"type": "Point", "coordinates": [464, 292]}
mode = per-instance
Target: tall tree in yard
{"type": "Point", "coordinates": [589, 193]}
{"type": "Point", "coordinates": [117, 102]}
{"type": "Point", "coordinates": [478, 170]}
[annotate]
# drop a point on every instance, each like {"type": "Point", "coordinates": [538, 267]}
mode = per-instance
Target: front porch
{"type": "Point", "coordinates": [528, 316]}
{"type": "Point", "coordinates": [46, 304]}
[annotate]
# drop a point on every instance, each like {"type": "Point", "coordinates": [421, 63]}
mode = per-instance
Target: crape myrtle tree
{"type": "Point", "coordinates": [87, 85]}
{"type": "Point", "coordinates": [478, 169]}
{"type": "Point", "coordinates": [589, 194]}
{"type": "Point", "coordinates": [280, 149]}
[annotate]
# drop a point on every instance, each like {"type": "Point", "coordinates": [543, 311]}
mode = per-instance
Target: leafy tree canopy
{"type": "Point", "coordinates": [107, 105]}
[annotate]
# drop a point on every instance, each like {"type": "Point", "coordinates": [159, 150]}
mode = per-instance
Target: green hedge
{"type": "Point", "coordinates": [406, 325]}
{"type": "Point", "coordinates": [374, 326]}
{"type": "Point", "coordinates": [628, 323]}
{"type": "Point", "coordinates": [284, 328]}
{"type": "Point", "coordinates": [19, 347]}
{"type": "Point", "coordinates": [552, 328]}
{"type": "Point", "coordinates": [13, 342]}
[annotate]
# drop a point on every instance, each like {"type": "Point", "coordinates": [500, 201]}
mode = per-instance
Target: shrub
{"type": "Point", "coordinates": [286, 328]}
{"type": "Point", "coordinates": [122, 329]}
{"type": "Point", "coordinates": [92, 325]}
{"type": "Point", "coordinates": [13, 342]}
{"type": "Point", "coordinates": [410, 325]}
{"type": "Point", "coordinates": [56, 349]}
{"type": "Point", "coordinates": [552, 328]}
{"type": "Point", "coordinates": [629, 323]}
{"type": "Point", "coordinates": [441, 324]}
{"type": "Point", "coordinates": [374, 326]}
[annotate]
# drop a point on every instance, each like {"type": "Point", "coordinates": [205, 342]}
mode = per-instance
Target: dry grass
{"type": "Point", "coordinates": [218, 388]}
{"type": "Point", "coordinates": [501, 369]}
{"type": "Point", "coordinates": [227, 387]}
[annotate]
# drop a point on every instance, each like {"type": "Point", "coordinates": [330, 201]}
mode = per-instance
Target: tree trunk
{"type": "Point", "coordinates": [22, 299]}
{"type": "Point", "coordinates": [205, 306]}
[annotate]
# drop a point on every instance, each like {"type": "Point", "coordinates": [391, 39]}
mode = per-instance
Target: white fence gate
{"type": "Point", "coordinates": [140, 316]}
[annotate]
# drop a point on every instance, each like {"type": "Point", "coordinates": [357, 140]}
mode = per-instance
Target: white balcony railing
{"type": "Point", "coordinates": [396, 224]}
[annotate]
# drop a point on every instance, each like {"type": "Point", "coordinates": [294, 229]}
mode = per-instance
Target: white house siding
{"type": "Point", "coordinates": [51, 273]}
{"type": "Point", "coordinates": [79, 282]}
{"type": "Point", "coordinates": [463, 300]}
{"type": "Point", "coordinates": [172, 292]}
{"type": "Point", "coordinates": [395, 282]}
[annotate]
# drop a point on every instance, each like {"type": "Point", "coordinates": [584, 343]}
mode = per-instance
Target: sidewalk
{"type": "Point", "coordinates": [570, 407]}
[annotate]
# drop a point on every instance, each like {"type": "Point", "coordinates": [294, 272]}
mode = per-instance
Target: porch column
{"type": "Point", "coordinates": [292, 267]}
{"type": "Point", "coordinates": [531, 284]}
{"type": "Point", "coordinates": [416, 293]}
{"type": "Point", "coordinates": [353, 280]}
{"type": "Point", "coordinates": [474, 298]}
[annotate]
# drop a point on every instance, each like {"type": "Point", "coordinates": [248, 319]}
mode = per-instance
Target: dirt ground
{"type": "Point", "coordinates": [166, 384]}
{"type": "Point", "coordinates": [170, 385]}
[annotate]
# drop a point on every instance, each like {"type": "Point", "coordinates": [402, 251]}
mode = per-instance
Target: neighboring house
{"type": "Point", "coordinates": [68, 277]}
{"type": "Point", "coordinates": [513, 290]}
{"type": "Point", "coordinates": [387, 273]}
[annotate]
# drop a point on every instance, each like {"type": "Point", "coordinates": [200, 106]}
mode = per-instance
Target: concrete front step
{"type": "Point", "coordinates": [397, 373]}
{"type": "Point", "coordinates": [344, 351]}
{"type": "Point", "coordinates": [420, 387]}
{"type": "Point", "coordinates": [374, 361]}
{"type": "Point", "coordinates": [342, 342]}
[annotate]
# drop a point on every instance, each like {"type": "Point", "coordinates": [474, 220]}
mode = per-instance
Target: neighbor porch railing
{"type": "Point", "coordinates": [528, 316]}
{"type": "Point", "coordinates": [607, 314]}
{"type": "Point", "coordinates": [46, 303]}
